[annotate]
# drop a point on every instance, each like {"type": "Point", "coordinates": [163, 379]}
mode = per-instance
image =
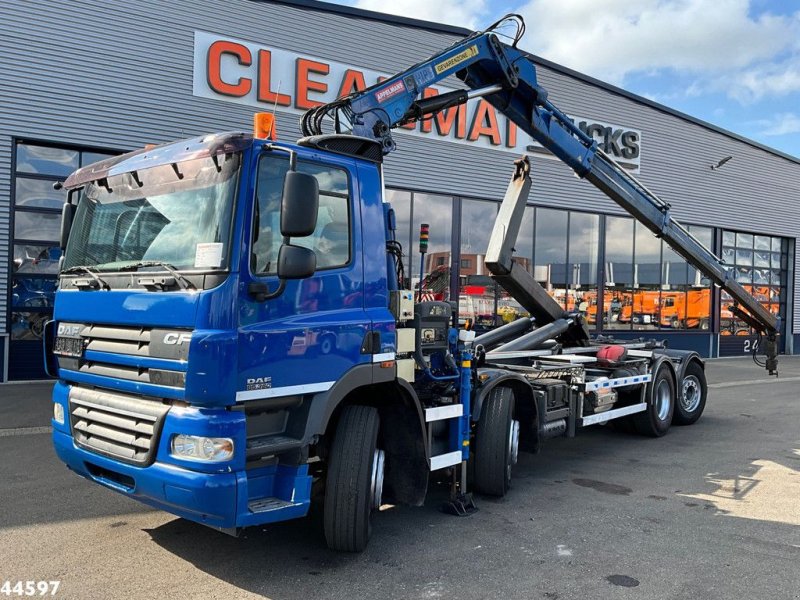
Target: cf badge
{"type": "Point", "coordinates": [176, 339]}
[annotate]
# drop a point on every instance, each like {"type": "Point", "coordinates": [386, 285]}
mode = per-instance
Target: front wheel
{"type": "Point", "coordinates": [656, 419]}
{"type": "Point", "coordinates": [354, 483]}
{"type": "Point", "coordinates": [692, 395]}
{"type": "Point", "coordinates": [496, 443]}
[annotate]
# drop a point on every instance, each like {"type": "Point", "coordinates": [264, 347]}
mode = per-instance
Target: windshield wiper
{"type": "Point", "coordinates": [94, 282]}
{"type": "Point", "coordinates": [180, 278]}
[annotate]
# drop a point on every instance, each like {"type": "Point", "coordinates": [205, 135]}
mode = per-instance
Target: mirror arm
{"type": "Point", "coordinates": [260, 292]}
{"type": "Point", "coordinates": [292, 154]}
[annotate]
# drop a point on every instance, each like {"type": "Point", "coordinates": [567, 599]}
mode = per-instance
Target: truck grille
{"type": "Point", "coordinates": [97, 345]}
{"type": "Point", "coordinates": [124, 427]}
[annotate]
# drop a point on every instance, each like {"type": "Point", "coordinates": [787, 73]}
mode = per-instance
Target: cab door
{"type": "Point", "coordinates": [307, 338]}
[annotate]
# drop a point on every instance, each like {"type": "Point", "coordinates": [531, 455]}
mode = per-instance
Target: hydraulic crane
{"type": "Point", "coordinates": [505, 76]}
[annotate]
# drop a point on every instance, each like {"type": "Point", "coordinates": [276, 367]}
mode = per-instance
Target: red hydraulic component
{"type": "Point", "coordinates": [612, 355]}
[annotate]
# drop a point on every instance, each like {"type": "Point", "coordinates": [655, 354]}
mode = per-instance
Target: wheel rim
{"type": "Point", "coordinates": [662, 400]}
{"type": "Point", "coordinates": [513, 447]}
{"type": "Point", "coordinates": [692, 393]}
{"type": "Point", "coordinates": [376, 484]}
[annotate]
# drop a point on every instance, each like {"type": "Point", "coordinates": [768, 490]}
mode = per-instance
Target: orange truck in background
{"type": "Point", "coordinates": [690, 310]}
{"type": "Point", "coordinates": [641, 309]}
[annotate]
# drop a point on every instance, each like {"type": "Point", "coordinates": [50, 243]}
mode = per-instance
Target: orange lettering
{"type": "Point", "coordinates": [485, 123]}
{"type": "Point", "coordinates": [511, 134]}
{"type": "Point", "coordinates": [353, 81]}
{"type": "Point", "coordinates": [305, 85]}
{"type": "Point", "coordinates": [214, 67]}
{"type": "Point", "coordinates": [265, 93]}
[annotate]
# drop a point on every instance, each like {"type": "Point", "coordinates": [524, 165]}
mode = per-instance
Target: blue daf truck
{"type": "Point", "coordinates": [232, 325]}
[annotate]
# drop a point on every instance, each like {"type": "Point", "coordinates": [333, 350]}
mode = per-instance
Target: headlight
{"type": "Point", "coordinates": [58, 413]}
{"type": "Point", "coordinates": [195, 447]}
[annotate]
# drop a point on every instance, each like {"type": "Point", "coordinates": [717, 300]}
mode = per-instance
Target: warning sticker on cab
{"type": "Point", "coordinates": [456, 60]}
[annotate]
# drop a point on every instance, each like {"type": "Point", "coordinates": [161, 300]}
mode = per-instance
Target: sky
{"type": "Point", "coordinates": [732, 63]}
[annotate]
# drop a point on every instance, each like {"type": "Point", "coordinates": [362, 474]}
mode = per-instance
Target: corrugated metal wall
{"type": "Point", "coordinates": [119, 74]}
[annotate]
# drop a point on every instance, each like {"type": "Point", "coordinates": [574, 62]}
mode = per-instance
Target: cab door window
{"type": "Point", "coordinates": [331, 240]}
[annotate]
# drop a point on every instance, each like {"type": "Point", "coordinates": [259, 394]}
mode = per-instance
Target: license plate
{"type": "Point", "coordinates": [68, 346]}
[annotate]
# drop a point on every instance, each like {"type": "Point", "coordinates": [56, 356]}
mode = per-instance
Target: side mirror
{"type": "Point", "coordinates": [67, 215]}
{"type": "Point", "coordinates": [296, 262]}
{"type": "Point", "coordinates": [299, 205]}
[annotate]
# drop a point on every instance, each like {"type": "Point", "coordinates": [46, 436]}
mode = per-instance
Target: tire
{"type": "Point", "coordinates": [655, 421]}
{"type": "Point", "coordinates": [496, 443]}
{"type": "Point", "coordinates": [354, 481]}
{"type": "Point", "coordinates": [692, 395]}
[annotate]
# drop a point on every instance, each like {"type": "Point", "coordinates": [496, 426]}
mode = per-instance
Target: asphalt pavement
{"type": "Point", "coordinates": [710, 511]}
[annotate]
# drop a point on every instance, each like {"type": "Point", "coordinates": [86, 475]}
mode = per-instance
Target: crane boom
{"type": "Point", "coordinates": [506, 77]}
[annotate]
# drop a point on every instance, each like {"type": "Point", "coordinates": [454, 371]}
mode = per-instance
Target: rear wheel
{"type": "Point", "coordinates": [496, 443]}
{"type": "Point", "coordinates": [354, 482]}
{"type": "Point", "coordinates": [655, 421]}
{"type": "Point", "coordinates": [692, 395]}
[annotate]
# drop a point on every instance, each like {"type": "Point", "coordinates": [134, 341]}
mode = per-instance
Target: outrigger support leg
{"type": "Point", "coordinates": [461, 503]}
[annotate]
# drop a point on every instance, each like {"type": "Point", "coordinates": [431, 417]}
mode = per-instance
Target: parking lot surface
{"type": "Point", "coordinates": [709, 511]}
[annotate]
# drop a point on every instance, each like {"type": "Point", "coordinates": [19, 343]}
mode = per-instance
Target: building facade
{"type": "Point", "coordinates": [90, 78]}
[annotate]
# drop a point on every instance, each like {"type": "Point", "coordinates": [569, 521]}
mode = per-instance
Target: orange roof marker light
{"type": "Point", "coordinates": [264, 126]}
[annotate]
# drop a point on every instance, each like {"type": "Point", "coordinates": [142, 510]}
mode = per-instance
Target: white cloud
{"type": "Point", "coordinates": [782, 124]}
{"type": "Point", "coordinates": [722, 45]}
{"type": "Point", "coordinates": [464, 13]}
{"type": "Point", "coordinates": [761, 81]}
{"type": "Point", "coordinates": [610, 38]}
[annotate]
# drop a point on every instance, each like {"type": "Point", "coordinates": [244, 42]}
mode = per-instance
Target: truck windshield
{"type": "Point", "coordinates": [179, 214]}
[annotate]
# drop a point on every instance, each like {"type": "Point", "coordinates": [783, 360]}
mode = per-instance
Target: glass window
{"type": "Point", "coordinates": [89, 158]}
{"type": "Point", "coordinates": [185, 222]}
{"type": "Point", "coordinates": [618, 274]}
{"type": "Point", "coordinates": [38, 193]}
{"type": "Point", "coordinates": [46, 160]}
{"type": "Point", "coordinates": [674, 284]}
{"type": "Point", "coordinates": [760, 266]}
{"type": "Point", "coordinates": [478, 290]}
{"type": "Point", "coordinates": [29, 326]}
{"type": "Point", "coordinates": [685, 293]}
{"type": "Point", "coordinates": [401, 204]}
{"type": "Point", "coordinates": [647, 279]}
{"type": "Point", "coordinates": [437, 212]}
{"type": "Point", "coordinates": [37, 226]}
{"type": "Point", "coordinates": [30, 292]}
{"type": "Point", "coordinates": [584, 244]}
{"type": "Point", "coordinates": [37, 218]}
{"type": "Point", "coordinates": [761, 242]}
{"type": "Point", "coordinates": [331, 238]}
{"type": "Point", "coordinates": [550, 252]}
{"type": "Point", "coordinates": [30, 259]}
{"type": "Point", "coordinates": [698, 295]}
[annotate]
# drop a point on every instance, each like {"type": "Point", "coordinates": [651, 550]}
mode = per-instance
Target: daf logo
{"type": "Point", "coordinates": [66, 329]}
{"type": "Point", "coordinates": [176, 339]}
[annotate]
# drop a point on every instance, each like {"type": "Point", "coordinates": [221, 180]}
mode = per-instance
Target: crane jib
{"type": "Point", "coordinates": [506, 78]}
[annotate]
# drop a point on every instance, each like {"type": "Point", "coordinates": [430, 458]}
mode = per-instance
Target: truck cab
{"type": "Point", "coordinates": [204, 338]}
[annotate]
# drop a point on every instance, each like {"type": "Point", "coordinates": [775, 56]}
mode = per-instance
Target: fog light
{"type": "Point", "coordinates": [58, 413]}
{"type": "Point", "coordinates": [195, 447]}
